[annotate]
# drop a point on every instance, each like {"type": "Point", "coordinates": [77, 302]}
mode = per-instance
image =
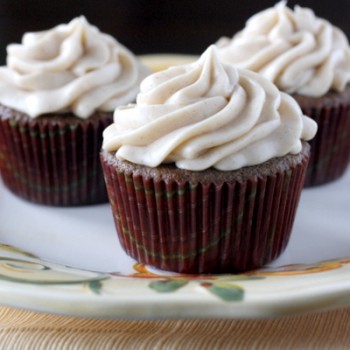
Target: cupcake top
{"type": "Point", "coordinates": [71, 67]}
{"type": "Point", "coordinates": [298, 51]}
{"type": "Point", "coordinates": [207, 114]}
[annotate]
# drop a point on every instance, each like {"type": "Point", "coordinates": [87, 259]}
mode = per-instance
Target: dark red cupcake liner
{"type": "Point", "coordinates": [330, 148]}
{"type": "Point", "coordinates": [53, 160]}
{"type": "Point", "coordinates": [194, 227]}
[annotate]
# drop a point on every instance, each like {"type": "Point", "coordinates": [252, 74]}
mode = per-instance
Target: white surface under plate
{"type": "Point", "coordinates": [68, 261]}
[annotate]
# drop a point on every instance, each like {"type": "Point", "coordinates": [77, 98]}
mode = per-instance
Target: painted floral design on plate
{"type": "Point", "coordinates": [21, 267]}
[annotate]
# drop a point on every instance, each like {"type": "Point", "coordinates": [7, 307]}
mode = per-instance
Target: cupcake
{"type": "Point", "coordinates": [205, 171]}
{"type": "Point", "coordinates": [58, 92]}
{"type": "Point", "coordinates": [309, 58]}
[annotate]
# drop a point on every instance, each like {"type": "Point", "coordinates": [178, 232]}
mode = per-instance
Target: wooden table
{"type": "Point", "coordinates": [21, 329]}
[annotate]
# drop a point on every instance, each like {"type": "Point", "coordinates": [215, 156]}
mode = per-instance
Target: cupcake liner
{"type": "Point", "coordinates": [330, 149]}
{"type": "Point", "coordinates": [53, 160]}
{"type": "Point", "coordinates": [194, 227]}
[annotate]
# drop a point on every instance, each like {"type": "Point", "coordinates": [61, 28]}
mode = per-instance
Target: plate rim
{"type": "Point", "coordinates": [186, 304]}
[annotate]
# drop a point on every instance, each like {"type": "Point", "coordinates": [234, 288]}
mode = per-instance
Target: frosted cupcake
{"type": "Point", "coordinates": [58, 92]}
{"type": "Point", "coordinates": [205, 171]}
{"type": "Point", "coordinates": [308, 58]}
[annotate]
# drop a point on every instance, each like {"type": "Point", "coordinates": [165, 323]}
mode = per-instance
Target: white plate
{"type": "Point", "coordinates": [76, 266]}
{"type": "Point", "coordinates": [157, 62]}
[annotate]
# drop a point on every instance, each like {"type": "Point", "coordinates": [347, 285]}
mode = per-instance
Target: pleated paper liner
{"type": "Point", "coordinates": [53, 159]}
{"type": "Point", "coordinates": [330, 149]}
{"type": "Point", "coordinates": [190, 226]}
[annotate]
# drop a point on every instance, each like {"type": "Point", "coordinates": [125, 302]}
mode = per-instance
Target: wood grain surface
{"type": "Point", "coordinates": [21, 329]}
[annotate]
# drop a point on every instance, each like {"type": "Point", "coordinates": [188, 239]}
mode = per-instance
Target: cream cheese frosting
{"type": "Point", "coordinates": [71, 67]}
{"type": "Point", "coordinates": [298, 51]}
{"type": "Point", "coordinates": [207, 114]}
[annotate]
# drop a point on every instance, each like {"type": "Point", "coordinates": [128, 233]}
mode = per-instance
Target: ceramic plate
{"type": "Point", "coordinates": [157, 62]}
{"type": "Point", "coordinates": [69, 261]}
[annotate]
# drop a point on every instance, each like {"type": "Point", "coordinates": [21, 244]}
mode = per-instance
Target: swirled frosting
{"type": "Point", "coordinates": [71, 67]}
{"type": "Point", "coordinates": [298, 51]}
{"type": "Point", "coordinates": [207, 114]}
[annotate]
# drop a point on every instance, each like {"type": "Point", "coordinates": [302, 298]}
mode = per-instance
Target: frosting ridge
{"type": "Point", "coordinates": [299, 52]}
{"type": "Point", "coordinates": [71, 67]}
{"type": "Point", "coordinates": [207, 114]}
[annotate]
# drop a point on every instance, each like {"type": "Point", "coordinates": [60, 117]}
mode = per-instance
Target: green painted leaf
{"type": "Point", "coordinates": [168, 285]}
{"type": "Point", "coordinates": [95, 286]}
{"type": "Point", "coordinates": [226, 292]}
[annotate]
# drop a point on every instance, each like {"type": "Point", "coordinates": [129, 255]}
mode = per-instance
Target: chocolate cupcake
{"type": "Point", "coordinates": [308, 58]}
{"type": "Point", "coordinates": [331, 146]}
{"type": "Point", "coordinates": [57, 94]}
{"type": "Point", "coordinates": [205, 171]}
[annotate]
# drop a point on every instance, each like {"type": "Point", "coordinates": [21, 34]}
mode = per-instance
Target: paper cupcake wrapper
{"type": "Point", "coordinates": [330, 149]}
{"type": "Point", "coordinates": [53, 162]}
{"type": "Point", "coordinates": [204, 228]}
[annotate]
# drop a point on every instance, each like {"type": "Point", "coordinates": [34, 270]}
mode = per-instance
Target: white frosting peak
{"type": "Point", "coordinates": [298, 51]}
{"type": "Point", "coordinates": [71, 67]}
{"type": "Point", "coordinates": [207, 114]}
